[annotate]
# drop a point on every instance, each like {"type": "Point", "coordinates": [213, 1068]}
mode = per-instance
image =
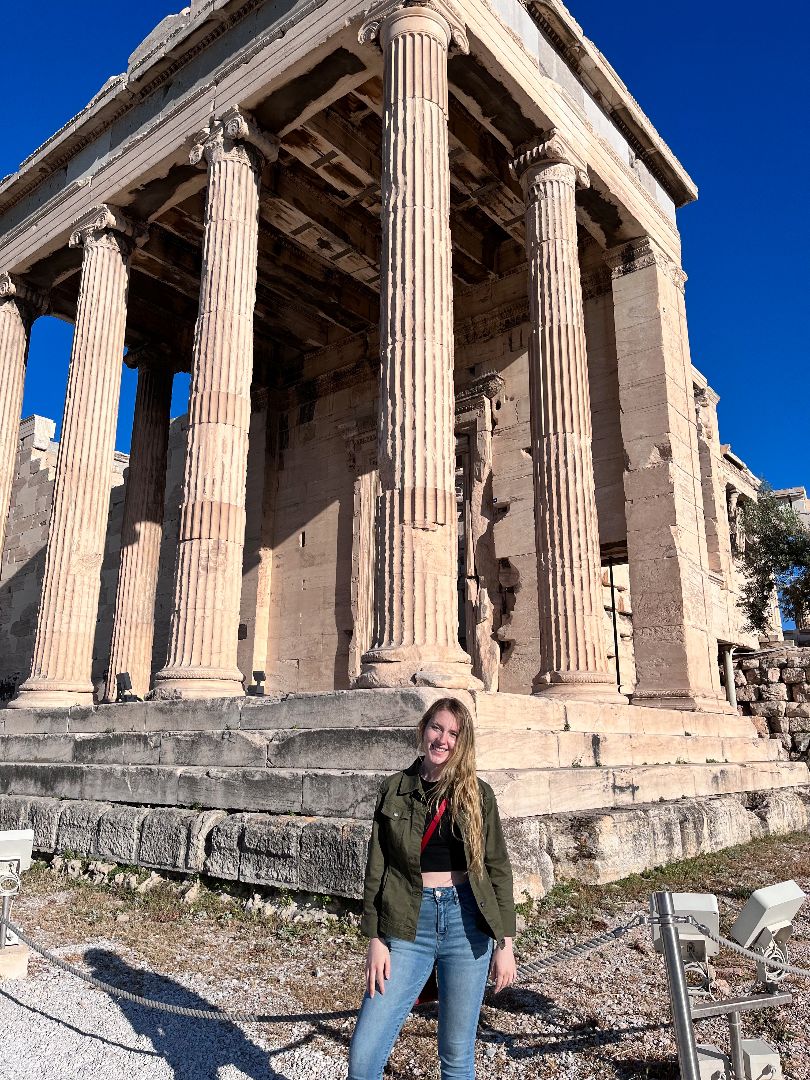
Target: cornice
{"type": "Point", "coordinates": [600, 79]}
{"type": "Point", "coordinates": [122, 93]}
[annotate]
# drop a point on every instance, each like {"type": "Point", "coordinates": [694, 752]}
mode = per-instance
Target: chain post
{"type": "Point", "coordinates": [678, 992]}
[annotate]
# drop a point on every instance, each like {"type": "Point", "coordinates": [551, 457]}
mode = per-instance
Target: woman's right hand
{"type": "Point", "coordinates": [378, 966]}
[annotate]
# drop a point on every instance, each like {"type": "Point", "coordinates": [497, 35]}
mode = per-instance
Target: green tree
{"type": "Point", "coordinates": [776, 553]}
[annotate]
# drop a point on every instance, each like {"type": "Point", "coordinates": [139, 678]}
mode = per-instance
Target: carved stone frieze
{"type": "Point", "coordinates": [596, 282]}
{"type": "Point", "coordinates": [642, 253]}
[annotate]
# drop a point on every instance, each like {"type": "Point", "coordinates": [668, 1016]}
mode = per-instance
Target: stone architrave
{"type": "Point", "coordinates": [66, 625]}
{"type": "Point", "coordinates": [676, 656]}
{"type": "Point", "coordinates": [202, 657]}
{"type": "Point", "coordinates": [142, 526]}
{"type": "Point", "coordinates": [19, 306]}
{"type": "Point", "coordinates": [416, 601]}
{"type": "Point", "coordinates": [574, 661]}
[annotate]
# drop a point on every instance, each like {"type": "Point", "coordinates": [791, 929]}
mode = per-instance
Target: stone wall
{"type": "Point", "coordinates": [773, 687]}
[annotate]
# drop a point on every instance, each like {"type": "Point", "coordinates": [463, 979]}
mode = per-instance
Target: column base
{"type": "Point", "coordinates": [449, 669]}
{"type": "Point", "coordinates": [199, 682]}
{"type": "Point", "coordinates": [687, 700]}
{"type": "Point", "coordinates": [48, 694]}
{"type": "Point", "coordinates": [578, 686]}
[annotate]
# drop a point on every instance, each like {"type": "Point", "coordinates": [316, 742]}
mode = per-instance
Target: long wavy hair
{"type": "Point", "coordinates": [458, 782]}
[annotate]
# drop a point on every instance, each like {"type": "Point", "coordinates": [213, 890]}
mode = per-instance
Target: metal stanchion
{"type": "Point", "coordinates": [6, 917]}
{"type": "Point", "coordinates": [735, 1040]}
{"type": "Point", "coordinates": [678, 992]}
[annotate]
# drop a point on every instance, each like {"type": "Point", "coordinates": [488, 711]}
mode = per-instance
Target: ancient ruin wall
{"type": "Point", "coordinates": [773, 688]}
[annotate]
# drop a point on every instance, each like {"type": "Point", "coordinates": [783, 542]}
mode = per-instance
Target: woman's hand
{"type": "Point", "coordinates": [378, 965]}
{"type": "Point", "coordinates": [503, 969]}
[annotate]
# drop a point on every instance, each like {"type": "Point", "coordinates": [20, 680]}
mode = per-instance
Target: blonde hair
{"type": "Point", "coordinates": [459, 782]}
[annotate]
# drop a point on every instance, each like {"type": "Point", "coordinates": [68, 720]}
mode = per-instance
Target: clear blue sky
{"type": "Point", "coordinates": [725, 85]}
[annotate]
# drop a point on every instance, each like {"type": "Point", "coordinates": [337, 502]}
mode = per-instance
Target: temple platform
{"type": "Point", "coordinates": [280, 790]}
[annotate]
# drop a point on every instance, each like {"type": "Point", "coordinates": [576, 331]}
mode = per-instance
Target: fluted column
{"type": "Point", "coordinates": [19, 306]}
{"type": "Point", "coordinates": [68, 611]}
{"type": "Point", "coordinates": [416, 599]}
{"type": "Point", "coordinates": [573, 656]}
{"type": "Point", "coordinates": [142, 526]}
{"type": "Point", "coordinates": [202, 659]}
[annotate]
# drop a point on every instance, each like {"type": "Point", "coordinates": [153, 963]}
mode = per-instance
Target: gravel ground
{"type": "Point", "coordinates": [605, 1017]}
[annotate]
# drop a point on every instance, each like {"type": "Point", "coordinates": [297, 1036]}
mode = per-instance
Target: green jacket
{"type": "Point", "coordinates": [393, 888]}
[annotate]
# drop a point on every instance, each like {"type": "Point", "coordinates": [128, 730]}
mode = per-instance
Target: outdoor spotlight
{"type": "Point", "coordinates": [760, 1061]}
{"type": "Point", "coordinates": [123, 684]}
{"type": "Point", "coordinates": [696, 950]}
{"type": "Point", "coordinates": [16, 847]}
{"type": "Point", "coordinates": [259, 678]}
{"type": "Point", "coordinates": [712, 1063]}
{"type": "Point", "coordinates": [766, 923]}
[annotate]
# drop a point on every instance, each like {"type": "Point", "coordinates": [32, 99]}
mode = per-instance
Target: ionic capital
{"type": "Point", "coordinates": [153, 354]}
{"type": "Point", "coordinates": [382, 20]}
{"type": "Point", "coordinates": [234, 134]}
{"type": "Point", "coordinates": [30, 301]}
{"type": "Point", "coordinates": [548, 150]}
{"type": "Point", "coordinates": [107, 226]}
{"type": "Point", "coordinates": [641, 253]}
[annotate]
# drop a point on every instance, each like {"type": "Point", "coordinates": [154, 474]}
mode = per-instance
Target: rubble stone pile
{"type": "Point", "coordinates": [773, 687]}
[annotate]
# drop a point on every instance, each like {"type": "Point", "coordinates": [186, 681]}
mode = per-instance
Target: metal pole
{"type": "Point", "coordinates": [615, 624]}
{"type": "Point", "coordinates": [6, 916]}
{"type": "Point", "coordinates": [678, 992]}
{"type": "Point", "coordinates": [728, 666]}
{"type": "Point", "coordinates": [735, 1039]}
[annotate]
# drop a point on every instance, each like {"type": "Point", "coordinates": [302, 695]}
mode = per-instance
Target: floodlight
{"type": "Point", "coordinates": [258, 684]}
{"type": "Point", "coordinates": [760, 1061]}
{"type": "Point", "coordinates": [123, 683]}
{"type": "Point", "coordinates": [703, 908]}
{"type": "Point", "coordinates": [766, 923]}
{"type": "Point", "coordinates": [696, 949]}
{"type": "Point", "coordinates": [712, 1063]}
{"type": "Point", "coordinates": [16, 847]}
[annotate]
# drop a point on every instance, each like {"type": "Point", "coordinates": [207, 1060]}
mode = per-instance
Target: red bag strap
{"type": "Point", "coordinates": [431, 829]}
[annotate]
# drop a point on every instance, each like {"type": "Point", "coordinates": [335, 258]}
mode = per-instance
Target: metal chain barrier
{"type": "Point", "coordinates": [527, 972]}
{"type": "Point", "coordinates": [769, 961]}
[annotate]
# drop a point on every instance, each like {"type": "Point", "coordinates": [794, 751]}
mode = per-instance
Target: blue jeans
{"type": "Point", "coordinates": [447, 935]}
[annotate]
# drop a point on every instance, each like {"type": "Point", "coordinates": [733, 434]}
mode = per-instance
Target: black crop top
{"type": "Point", "coordinates": [445, 849]}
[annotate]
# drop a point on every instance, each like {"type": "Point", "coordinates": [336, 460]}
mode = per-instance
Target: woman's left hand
{"type": "Point", "coordinates": [503, 969]}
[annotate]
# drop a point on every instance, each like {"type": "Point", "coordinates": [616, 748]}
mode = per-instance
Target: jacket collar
{"type": "Point", "coordinates": [410, 779]}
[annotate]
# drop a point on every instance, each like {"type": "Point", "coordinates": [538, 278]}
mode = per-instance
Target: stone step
{"type": "Point", "coordinates": [351, 793]}
{"type": "Point", "coordinates": [332, 708]}
{"type": "Point", "coordinates": [549, 791]}
{"type": "Point", "coordinates": [385, 748]}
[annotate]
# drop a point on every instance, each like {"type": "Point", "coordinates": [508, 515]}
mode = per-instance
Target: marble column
{"type": "Point", "coordinates": [202, 658]}
{"type": "Point", "coordinates": [142, 526]}
{"type": "Point", "coordinates": [19, 306]}
{"type": "Point", "coordinates": [415, 636]}
{"type": "Point", "coordinates": [574, 662]}
{"type": "Point", "coordinates": [673, 639]}
{"type": "Point", "coordinates": [66, 625]}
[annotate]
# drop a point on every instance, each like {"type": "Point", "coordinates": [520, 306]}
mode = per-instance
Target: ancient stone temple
{"type": "Point", "coordinates": [422, 263]}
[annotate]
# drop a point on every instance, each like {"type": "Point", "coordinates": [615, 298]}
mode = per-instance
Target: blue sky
{"type": "Point", "coordinates": [723, 83]}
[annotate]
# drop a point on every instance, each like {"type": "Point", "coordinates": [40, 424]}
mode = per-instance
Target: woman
{"type": "Point", "coordinates": [438, 890]}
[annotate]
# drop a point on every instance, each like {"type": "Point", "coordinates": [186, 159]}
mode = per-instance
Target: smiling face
{"type": "Point", "coordinates": [439, 742]}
